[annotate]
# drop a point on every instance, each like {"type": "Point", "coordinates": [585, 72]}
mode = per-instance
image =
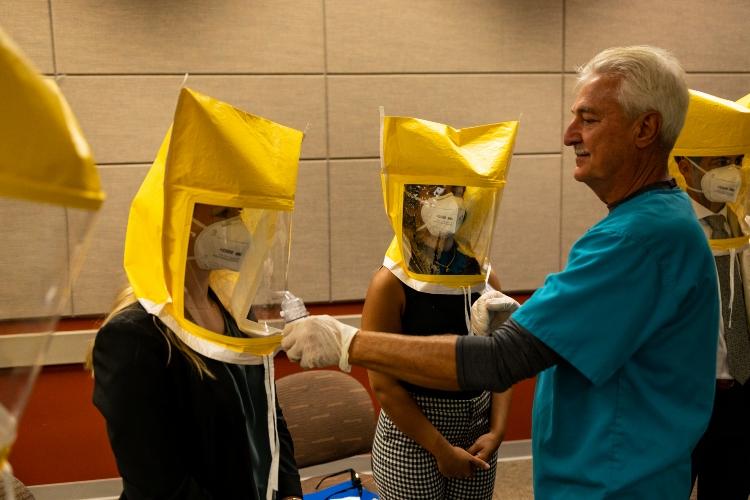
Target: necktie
{"type": "Point", "coordinates": [735, 327]}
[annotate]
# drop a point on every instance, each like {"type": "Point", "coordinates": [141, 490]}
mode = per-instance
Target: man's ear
{"type": "Point", "coordinates": [648, 126]}
{"type": "Point", "coordinates": [683, 165]}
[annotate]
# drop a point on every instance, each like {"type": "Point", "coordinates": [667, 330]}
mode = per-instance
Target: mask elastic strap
{"type": "Point", "coordinates": [699, 168]}
{"type": "Point", "coordinates": [199, 224]}
{"type": "Point", "coordinates": [695, 164]}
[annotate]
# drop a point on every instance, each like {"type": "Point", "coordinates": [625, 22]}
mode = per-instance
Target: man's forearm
{"type": "Point", "coordinates": [425, 361]}
{"type": "Point", "coordinates": [509, 355]}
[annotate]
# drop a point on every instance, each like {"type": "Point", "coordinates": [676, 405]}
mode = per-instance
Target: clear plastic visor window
{"type": "Point", "coordinates": [710, 160]}
{"type": "Point", "coordinates": [42, 246]}
{"type": "Point", "coordinates": [446, 229]}
{"type": "Point", "coordinates": [238, 256]}
{"type": "Point", "coordinates": [50, 193]}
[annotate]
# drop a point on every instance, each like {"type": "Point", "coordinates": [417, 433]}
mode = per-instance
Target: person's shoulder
{"type": "Point", "coordinates": [384, 302]}
{"type": "Point", "coordinates": [132, 320]}
{"type": "Point", "coordinates": [132, 314]}
{"type": "Point", "coordinates": [128, 335]}
{"type": "Point", "coordinates": [658, 214]}
{"type": "Point", "coordinates": [385, 282]}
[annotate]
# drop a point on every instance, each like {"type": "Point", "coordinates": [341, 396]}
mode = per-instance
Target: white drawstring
{"type": "Point", "coordinates": [467, 307]}
{"type": "Point", "coordinates": [732, 258]}
{"type": "Point", "coordinates": [6, 474]}
{"type": "Point", "coordinates": [273, 435]}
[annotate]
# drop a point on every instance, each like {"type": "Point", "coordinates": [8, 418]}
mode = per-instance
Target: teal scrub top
{"type": "Point", "coordinates": [635, 315]}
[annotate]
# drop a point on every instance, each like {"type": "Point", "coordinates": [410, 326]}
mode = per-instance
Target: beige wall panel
{"type": "Point", "coordinates": [730, 87]}
{"type": "Point", "coordinates": [360, 231]}
{"type": "Point", "coordinates": [439, 36]}
{"type": "Point", "coordinates": [102, 276]}
{"type": "Point", "coordinates": [681, 26]}
{"type": "Point", "coordinates": [526, 243]}
{"type": "Point", "coordinates": [580, 207]}
{"type": "Point", "coordinates": [294, 101]}
{"type": "Point", "coordinates": [125, 117]}
{"type": "Point", "coordinates": [33, 256]}
{"type": "Point", "coordinates": [309, 267]}
{"type": "Point", "coordinates": [459, 101]}
{"type": "Point", "coordinates": [27, 23]}
{"type": "Point", "coordinates": [175, 36]}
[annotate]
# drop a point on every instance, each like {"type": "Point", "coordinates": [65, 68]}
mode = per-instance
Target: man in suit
{"type": "Point", "coordinates": [708, 161]}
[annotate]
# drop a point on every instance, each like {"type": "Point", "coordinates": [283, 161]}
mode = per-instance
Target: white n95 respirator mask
{"type": "Point", "coordinates": [221, 245]}
{"type": "Point", "coordinates": [442, 215]}
{"type": "Point", "coordinates": [720, 184]}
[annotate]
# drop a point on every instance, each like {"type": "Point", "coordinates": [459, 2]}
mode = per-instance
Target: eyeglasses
{"type": "Point", "coordinates": [355, 480]}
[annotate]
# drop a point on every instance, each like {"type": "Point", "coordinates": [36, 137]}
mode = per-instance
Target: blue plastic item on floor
{"type": "Point", "coordinates": [344, 490]}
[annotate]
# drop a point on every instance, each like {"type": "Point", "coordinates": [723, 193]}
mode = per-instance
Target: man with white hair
{"type": "Point", "coordinates": [619, 335]}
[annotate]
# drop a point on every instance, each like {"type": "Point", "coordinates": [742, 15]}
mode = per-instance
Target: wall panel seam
{"type": "Point", "coordinates": [52, 37]}
{"type": "Point", "coordinates": [328, 150]}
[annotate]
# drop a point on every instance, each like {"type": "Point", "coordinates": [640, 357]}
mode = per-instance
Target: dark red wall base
{"type": "Point", "coordinates": [62, 437]}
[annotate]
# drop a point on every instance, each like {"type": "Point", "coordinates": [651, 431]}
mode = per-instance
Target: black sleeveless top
{"type": "Point", "coordinates": [434, 314]}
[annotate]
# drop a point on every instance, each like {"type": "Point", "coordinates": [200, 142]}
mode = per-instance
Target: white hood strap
{"type": "Point", "coordinates": [467, 307]}
{"type": "Point", "coordinates": [273, 434]}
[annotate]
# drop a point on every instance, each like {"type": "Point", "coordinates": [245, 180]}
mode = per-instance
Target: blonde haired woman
{"type": "Point", "coordinates": [182, 425]}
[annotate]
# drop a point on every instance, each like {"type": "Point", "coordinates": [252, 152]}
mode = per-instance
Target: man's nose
{"type": "Point", "coordinates": [572, 135]}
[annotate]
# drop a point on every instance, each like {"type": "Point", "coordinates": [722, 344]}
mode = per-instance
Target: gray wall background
{"type": "Point", "coordinates": [330, 64]}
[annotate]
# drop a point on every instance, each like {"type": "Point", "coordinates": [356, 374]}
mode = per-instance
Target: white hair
{"type": "Point", "coordinates": [651, 79]}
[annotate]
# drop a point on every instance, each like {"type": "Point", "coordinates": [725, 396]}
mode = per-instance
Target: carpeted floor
{"type": "Point", "coordinates": [513, 481]}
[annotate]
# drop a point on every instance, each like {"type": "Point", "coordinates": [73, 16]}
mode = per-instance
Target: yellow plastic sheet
{"type": "Point", "coordinates": [717, 127]}
{"type": "Point", "coordinates": [218, 155]}
{"type": "Point", "coordinates": [416, 151]}
{"type": "Point", "coordinates": [43, 155]}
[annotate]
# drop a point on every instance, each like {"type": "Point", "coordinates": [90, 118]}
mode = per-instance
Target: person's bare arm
{"type": "Point", "coordinates": [426, 361]}
{"type": "Point", "coordinates": [493, 363]}
{"type": "Point", "coordinates": [493, 280]}
{"type": "Point", "coordinates": [486, 444]}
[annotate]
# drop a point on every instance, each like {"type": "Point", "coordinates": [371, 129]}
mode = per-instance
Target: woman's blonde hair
{"type": "Point", "coordinates": [127, 298]}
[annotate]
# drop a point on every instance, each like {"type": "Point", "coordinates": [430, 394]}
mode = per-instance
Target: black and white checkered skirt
{"type": "Point", "coordinates": [403, 470]}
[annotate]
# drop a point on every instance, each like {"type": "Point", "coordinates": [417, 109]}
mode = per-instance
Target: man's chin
{"type": "Point", "coordinates": [579, 174]}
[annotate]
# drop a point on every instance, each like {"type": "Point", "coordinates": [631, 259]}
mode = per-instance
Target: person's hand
{"type": "Point", "coordinates": [485, 446]}
{"type": "Point", "coordinates": [453, 461]}
{"type": "Point", "coordinates": [490, 311]}
{"type": "Point", "coordinates": [318, 342]}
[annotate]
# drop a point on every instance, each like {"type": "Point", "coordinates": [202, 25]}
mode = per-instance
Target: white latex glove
{"type": "Point", "coordinates": [318, 342]}
{"type": "Point", "coordinates": [490, 311]}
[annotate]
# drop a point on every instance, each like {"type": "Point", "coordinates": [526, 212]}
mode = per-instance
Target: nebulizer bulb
{"type": "Point", "coordinates": [292, 307]}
